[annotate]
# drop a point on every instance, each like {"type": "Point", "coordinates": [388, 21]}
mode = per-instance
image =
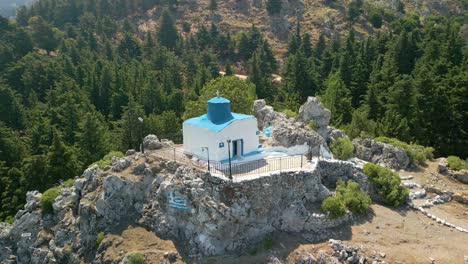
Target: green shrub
{"type": "Point", "coordinates": [107, 159]}
{"type": "Point", "coordinates": [334, 206]}
{"type": "Point", "coordinates": [268, 243]}
{"type": "Point", "coordinates": [136, 258]}
{"type": "Point", "coordinates": [342, 148]}
{"type": "Point", "coordinates": [375, 17]}
{"type": "Point", "coordinates": [348, 195]}
{"type": "Point", "coordinates": [289, 113]}
{"type": "Point", "coordinates": [456, 163]}
{"type": "Point", "coordinates": [69, 183]}
{"type": "Point", "coordinates": [47, 199]}
{"type": "Point", "coordinates": [9, 219]}
{"type": "Point", "coordinates": [417, 154]}
{"type": "Point", "coordinates": [313, 125]}
{"type": "Point", "coordinates": [99, 238]}
{"type": "Point", "coordinates": [388, 184]}
{"type": "Point", "coordinates": [355, 199]}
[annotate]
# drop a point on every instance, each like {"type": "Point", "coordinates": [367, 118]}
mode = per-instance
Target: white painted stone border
{"type": "Point", "coordinates": [435, 218]}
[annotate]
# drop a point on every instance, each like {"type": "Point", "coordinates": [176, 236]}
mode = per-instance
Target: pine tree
{"type": "Point", "coordinates": [320, 47]}
{"type": "Point", "coordinates": [45, 36]}
{"type": "Point", "coordinates": [12, 112]}
{"type": "Point", "coordinates": [295, 41]}
{"type": "Point", "coordinates": [63, 162]}
{"type": "Point", "coordinates": [307, 45]}
{"type": "Point", "coordinates": [167, 33]}
{"type": "Point", "coordinates": [130, 126]}
{"type": "Point", "coordinates": [361, 125]}
{"type": "Point", "coordinates": [229, 71]}
{"type": "Point", "coordinates": [336, 97]}
{"type": "Point", "coordinates": [92, 138]}
{"type": "Point", "coordinates": [129, 47]}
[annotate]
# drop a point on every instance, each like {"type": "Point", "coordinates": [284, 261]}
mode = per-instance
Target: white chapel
{"type": "Point", "coordinates": [221, 132]}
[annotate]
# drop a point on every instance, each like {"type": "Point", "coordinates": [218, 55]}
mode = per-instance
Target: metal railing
{"type": "Point", "coordinates": [237, 168]}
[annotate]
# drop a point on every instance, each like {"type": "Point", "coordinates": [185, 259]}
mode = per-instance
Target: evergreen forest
{"type": "Point", "coordinates": [75, 75]}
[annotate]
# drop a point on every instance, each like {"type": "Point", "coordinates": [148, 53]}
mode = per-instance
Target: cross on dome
{"type": "Point", "coordinates": [217, 93]}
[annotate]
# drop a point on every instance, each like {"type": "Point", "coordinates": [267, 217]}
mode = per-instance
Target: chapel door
{"type": "Point", "coordinates": [234, 148]}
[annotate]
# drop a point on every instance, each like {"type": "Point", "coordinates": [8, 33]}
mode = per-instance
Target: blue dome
{"type": "Point", "coordinates": [219, 110]}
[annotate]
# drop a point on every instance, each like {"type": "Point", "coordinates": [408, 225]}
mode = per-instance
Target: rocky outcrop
{"type": "Point", "coordinates": [313, 110]}
{"type": "Point", "coordinates": [380, 153]}
{"type": "Point", "coordinates": [206, 214]}
{"type": "Point", "coordinates": [6, 252]}
{"type": "Point", "coordinates": [442, 166]}
{"type": "Point", "coordinates": [287, 132]}
{"type": "Point", "coordinates": [444, 169]}
{"type": "Point", "coordinates": [151, 142]}
{"type": "Point", "coordinates": [335, 133]}
{"type": "Point", "coordinates": [216, 216]}
{"type": "Point", "coordinates": [461, 176]}
{"type": "Point", "coordinates": [338, 253]}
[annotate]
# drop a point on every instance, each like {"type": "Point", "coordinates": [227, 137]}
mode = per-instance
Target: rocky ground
{"type": "Point", "coordinates": [400, 235]}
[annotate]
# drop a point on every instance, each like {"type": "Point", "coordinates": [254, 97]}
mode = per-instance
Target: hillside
{"type": "Point", "coordinates": [316, 17]}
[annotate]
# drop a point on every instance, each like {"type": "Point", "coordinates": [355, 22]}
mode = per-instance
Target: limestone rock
{"type": "Point", "coordinates": [287, 132]}
{"type": "Point", "coordinates": [335, 133]}
{"type": "Point", "coordinates": [313, 110]}
{"type": "Point", "coordinates": [130, 152]}
{"type": "Point", "coordinates": [461, 175]}
{"type": "Point", "coordinates": [305, 258]}
{"type": "Point", "coordinates": [90, 173]}
{"type": "Point", "coordinates": [264, 113]}
{"type": "Point", "coordinates": [380, 153]}
{"type": "Point", "coordinates": [5, 246]}
{"type": "Point", "coordinates": [151, 142]}
{"type": "Point", "coordinates": [120, 164]}
{"type": "Point", "coordinates": [442, 167]}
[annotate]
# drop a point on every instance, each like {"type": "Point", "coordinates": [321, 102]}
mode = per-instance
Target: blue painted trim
{"type": "Point", "coordinates": [204, 122]}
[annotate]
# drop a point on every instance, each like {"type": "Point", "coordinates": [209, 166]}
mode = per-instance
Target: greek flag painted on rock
{"type": "Point", "coordinates": [177, 202]}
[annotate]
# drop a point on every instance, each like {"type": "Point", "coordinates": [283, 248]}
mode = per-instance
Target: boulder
{"type": "Point", "coordinates": [5, 247]}
{"type": "Point", "coordinates": [264, 113]}
{"type": "Point", "coordinates": [120, 164]}
{"type": "Point", "coordinates": [335, 133]}
{"type": "Point", "coordinates": [380, 153]}
{"type": "Point", "coordinates": [289, 133]}
{"type": "Point", "coordinates": [313, 110]}
{"type": "Point", "coordinates": [130, 152]}
{"type": "Point", "coordinates": [461, 175]}
{"type": "Point", "coordinates": [305, 258]}
{"type": "Point", "coordinates": [90, 173]}
{"type": "Point", "coordinates": [151, 142]}
{"type": "Point", "coordinates": [442, 167]}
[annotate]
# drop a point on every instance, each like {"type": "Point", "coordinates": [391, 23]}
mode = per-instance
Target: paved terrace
{"type": "Point", "coordinates": [241, 170]}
